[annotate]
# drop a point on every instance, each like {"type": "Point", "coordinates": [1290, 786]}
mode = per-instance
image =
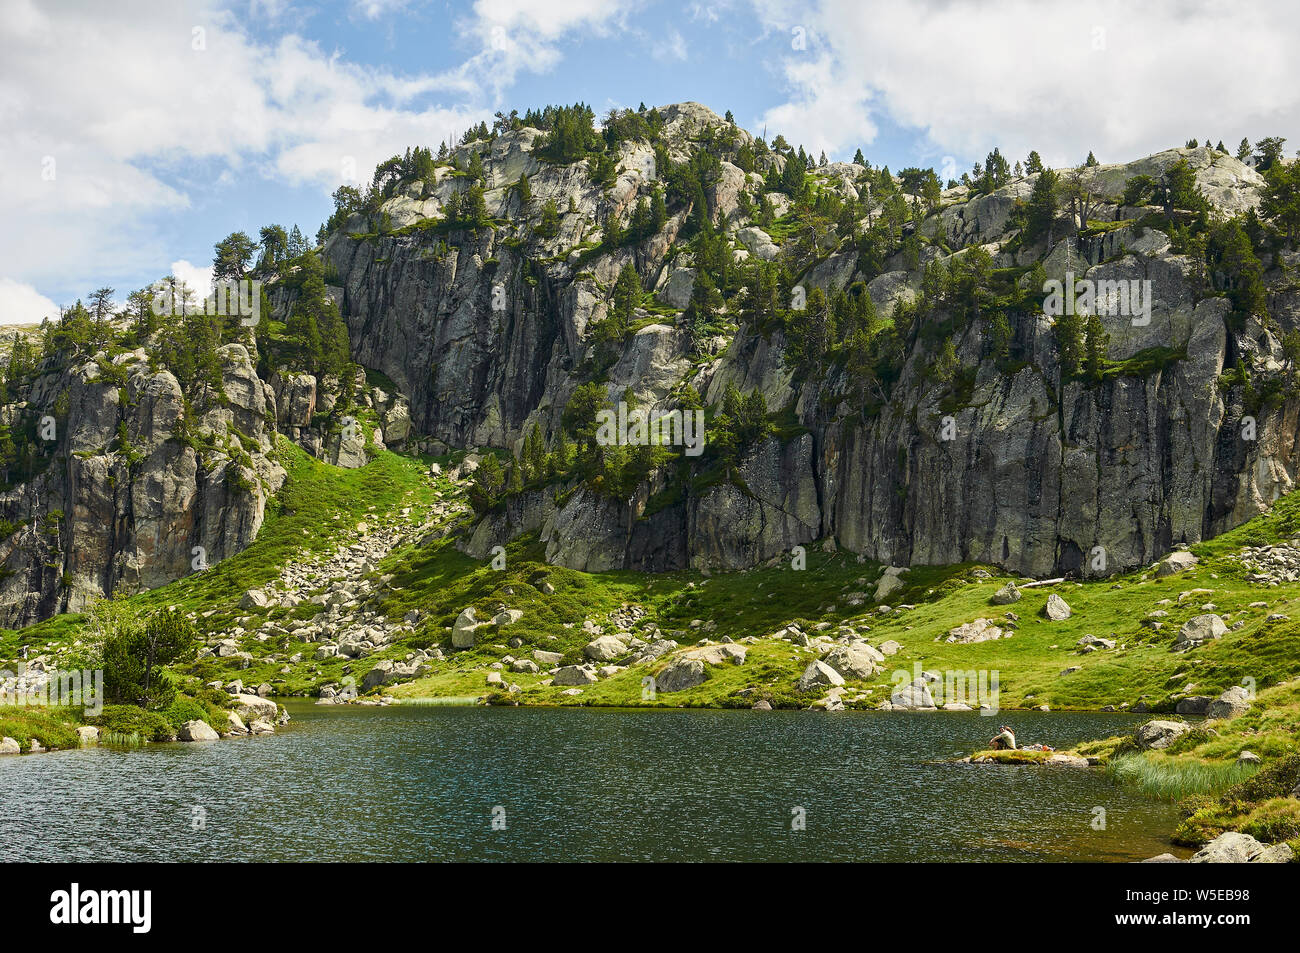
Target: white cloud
{"type": "Point", "coordinates": [23, 304]}
{"type": "Point", "coordinates": [198, 278]}
{"type": "Point", "coordinates": [1121, 78]}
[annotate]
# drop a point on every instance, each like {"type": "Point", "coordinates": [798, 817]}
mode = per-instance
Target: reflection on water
{"type": "Point", "coordinates": [426, 783]}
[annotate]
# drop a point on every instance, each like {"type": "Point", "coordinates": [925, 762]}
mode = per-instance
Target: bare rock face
{"type": "Point", "coordinates": [1138, 463]}
{"type": "Point", "coordinates": [139, 514]}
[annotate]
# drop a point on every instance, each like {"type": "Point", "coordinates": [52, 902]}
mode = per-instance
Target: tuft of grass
{"type": "Point", "coordinates": [1173, 779]}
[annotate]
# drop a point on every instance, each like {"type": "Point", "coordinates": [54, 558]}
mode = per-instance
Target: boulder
{"type": "Point", "coordinates": [88, 735]}
{"type": "Point", "coordinates": [852, 661]}
{"type": "Point", "coordinates": [378, 675]}
{"type": "Point", "coordinates": [1233, 847]}
{"type": "Point", "coordinates": [547, 658]}
{"type": "Point", "coordinates": [604, 648]}
{"type": "Point", "coordinates": [1235, 701]}
{"type": "Point", "coordinates": [980, 630]}
{"type": "Point", "coordinates": [890, 582]}
{"type": "Point", "coordinates": [762, 705]}
{"type": "Point", "coordinates": [681, 674]}
{"type": "Point", "coordinates": [252, 706]}
{"type": "Point", "coordinates": [575, 675]}
{"type": "Point", "coordinates": [1175, 563]}
{"type": "Point", "coordinates": [10, 746]}
{"type": "Point", "coordinates": [1193, 705]}
{"type": "Point", "coordinates": [728, 653]}
{"type": "Point", "coordinates": [524, 665]}
{"type": "Point", "coordinates": [462, 630]}
{"type": "Point", "coordinates": [1198, 630]}
{"type": "Point", "coordinates": [197, 731]}
{"type": "Point", "coordinates": [255, 599]}
{"type": "Point", "coordinates": [818, 674]}
{"type": "Point", "coordinates": [1006, 595]}
{"type": "Point", "coordinates": [1157, 734]}
{"type": "Point", "coordinates": [889, 647]}
{"type": "Point", "coordinates": [915, 695]}
{"type": "Point", "coordinates": [1056, 608]}
{"type": "Point", "coordinates": [507, 617]}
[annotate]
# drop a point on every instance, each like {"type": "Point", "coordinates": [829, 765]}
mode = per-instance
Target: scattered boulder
{"type": "Point", "coordinates": [255, 599]}
{"type": "Point", "coordinates": [605, 648]}
{"type": "Point", "coordinates": [1158, 734]}
{"type": "Point", "coordinates": [915, 695]}
{"type": "Point", "coordinates": [462, 630]}
{"type": "Point", "coordinates": [890, 581]}
{"type": "Point", "coordinates": [853, 661]}
{"type": "Point", "coordinates": [10, 746]}
{"type": "Point", "coordinates": [1056, 608]}
{"type": "Point", "coordinates": [1235, 701]}
{"type": "Point", "coordinates": [197, 731]}
{"type": "Point", "coordinates": [681, 674]}
{"type": "Point", "coordinates": [1193, 705]}
{"type": "Point", "coordinates": [762, 705]}
{"type": "Point", "coordinates": [88, 735]}
{"type": "Point", "coordinates": [547, 658]}
{"type": "Point", "coordinates": [1198, 630]}
{"type": "Point", "coordinates": [980, 630]}
{"type": "Point", "coordinates": [818, 674]}
{"type": "Point", "coordinates": [1233, 847]}
{"type": "Point", "coordinates": [889, 647]}
{"type": "Point", "coordinates": [1006, 595]}
{"type": "Point", "coordinates": [727, 653]}
{"type": "Point", "coordinates": [1248, 757]}
{"type": "Point", "coordinates": [575, 675]}
{"type": "Point", "coordinates": [1175, 563]}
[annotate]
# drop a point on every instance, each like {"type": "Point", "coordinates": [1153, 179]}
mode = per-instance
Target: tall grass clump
{"type": "Point", "coordinates": [1172, 779]}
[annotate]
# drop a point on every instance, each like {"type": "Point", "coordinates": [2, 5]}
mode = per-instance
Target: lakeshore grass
{"type": "Point", "coordinates": [1175, 778]}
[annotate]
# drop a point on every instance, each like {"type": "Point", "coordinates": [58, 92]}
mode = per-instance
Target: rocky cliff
{"type": "Point", "coordinates": [136, 489]}
{"type": "Point", "coordinates": [489, 331]}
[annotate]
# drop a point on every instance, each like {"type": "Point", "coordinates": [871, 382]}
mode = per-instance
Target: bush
{"type": "Point", "coordinates": [128, 720]}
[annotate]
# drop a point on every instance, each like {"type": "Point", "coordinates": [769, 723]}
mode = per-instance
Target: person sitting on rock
{"type": "Point", "coordinates": [1005, 739]}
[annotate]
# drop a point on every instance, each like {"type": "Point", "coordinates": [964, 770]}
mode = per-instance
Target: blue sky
{"type": "Point", "coordinates": [135, 134]}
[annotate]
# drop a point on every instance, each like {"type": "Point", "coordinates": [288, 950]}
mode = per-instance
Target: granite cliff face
{"type": "Point", "coordinates": [1040, 473]}
{"type": "Point", "coordinates": [109, 515]}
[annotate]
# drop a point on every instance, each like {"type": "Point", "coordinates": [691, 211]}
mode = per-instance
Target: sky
{"type": "Point", "coordinates": [136, 133]}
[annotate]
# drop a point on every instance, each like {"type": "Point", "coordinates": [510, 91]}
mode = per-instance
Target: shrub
{"type": "Point", "coordinates": [127, 720]}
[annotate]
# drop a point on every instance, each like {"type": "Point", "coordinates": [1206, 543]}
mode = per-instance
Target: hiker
{"type": "Point", "coordinates": [1006, 739]}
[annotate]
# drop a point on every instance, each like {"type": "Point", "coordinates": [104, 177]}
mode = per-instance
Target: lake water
{"type": "Point", "coordinates": [441, 783]}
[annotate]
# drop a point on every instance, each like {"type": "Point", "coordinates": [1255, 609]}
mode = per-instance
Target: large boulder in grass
{"type": "Point", "coordinates": [605, 648]}
{"type": "Point", "coordinates": [1006, 595]}
{"type": "Point", "coordinates": [1235, 701]}
{"type": "Point", "coordinates": [1175, 563]}
{"type": "Point", "coordinates": [817, 675]}
{"type": "Point", "coordinates": [1158, 734]}
{"type": "Point", "coordinates": [681, 673]}
{"type": "Point", "coordinates": [853, 661]}
{"type": "Point", "coordinates": [462, 630]}
{"type": "Point", "coordinates": [1198, 630]}
{"type": "Point", "coordinates": [575, 675]}
{"type": "Point", "coordinates": [1057, 609]}
{"type": "Point", "coordinates": [981, 630]}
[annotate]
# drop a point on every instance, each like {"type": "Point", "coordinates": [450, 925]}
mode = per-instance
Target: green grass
{"type": "Point", "coordinates": [51, 727]}
{"type": "Point", "coordinates": [1172, 779]}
